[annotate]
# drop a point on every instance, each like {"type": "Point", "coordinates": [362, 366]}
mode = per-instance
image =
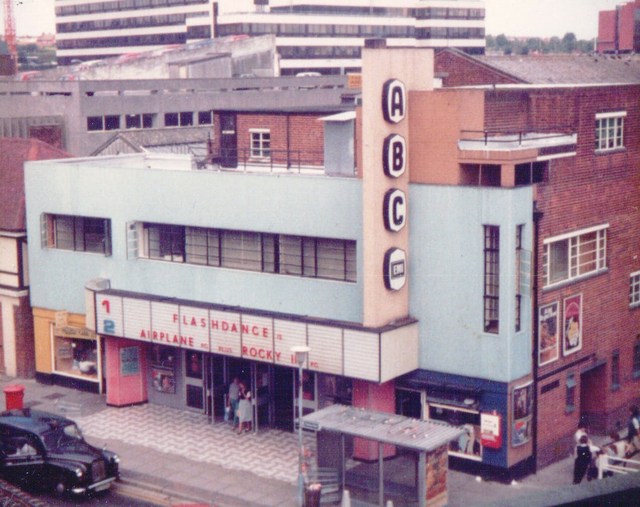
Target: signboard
{"type": "Point", "coordinates": [490, 434]}
{"type": "Point", "coordinates": [522, 414]}
{"type": "Point", "coordinates": [548, 333]}
{"type": "Point", "coordinates": [572, 328]}
{"type": "Point", "coordinates": [129, 361]}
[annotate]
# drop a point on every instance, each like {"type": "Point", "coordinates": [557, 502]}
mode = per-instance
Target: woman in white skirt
{"type": "Point", "coordinates": [245, 412]}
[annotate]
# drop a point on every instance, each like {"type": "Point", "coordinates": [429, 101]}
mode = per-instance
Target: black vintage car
{"type": "Point", "coordinates": [38, 449]}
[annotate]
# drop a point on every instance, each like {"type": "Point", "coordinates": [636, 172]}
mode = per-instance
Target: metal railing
{"type": "Point", "coordinates": [613, 464]}
{"type": "Point", "coordinates": [269, 160]}
{"type": "Point", "coordinates": [510, 136]}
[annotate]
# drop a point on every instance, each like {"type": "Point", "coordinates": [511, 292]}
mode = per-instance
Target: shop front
{"type": "Point", "coordinates": [495, 418]}
{"type": "Point", "coordinates": [184, 355]}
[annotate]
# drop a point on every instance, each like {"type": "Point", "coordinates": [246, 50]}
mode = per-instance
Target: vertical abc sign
{"type": "Point", "coordinates": [394, 164]}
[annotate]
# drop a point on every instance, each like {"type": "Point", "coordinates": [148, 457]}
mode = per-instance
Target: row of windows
{"type": "Point", "coordinates": [254, 251]}
{"type": "Point", "coordinates": [333, 259]}
{"type": "Point", "coordinates": [148, 120]}
{"type": "Point", "coordinates": [125, 23]}
{"type": "Point", "coordinates": [307, 52]}
{"type": "Point", "coordinates": [121, 5]}
{"type": "Point", "coordinates": [124, 41]}
{"type": "Point", "coordinates": [420, 13]}
{"type": "Point", "coordinates": [318, 30]}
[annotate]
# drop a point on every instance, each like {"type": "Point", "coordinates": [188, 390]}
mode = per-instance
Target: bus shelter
{"type": "Point", "coordinates": [380, 457]}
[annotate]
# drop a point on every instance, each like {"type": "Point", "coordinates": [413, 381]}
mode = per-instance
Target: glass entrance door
{"type": "Point", "coordinates": [194, 380]}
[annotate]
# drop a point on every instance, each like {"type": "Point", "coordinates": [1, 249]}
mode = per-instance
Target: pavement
{"type": "Point", "coordinates": [171, 457]}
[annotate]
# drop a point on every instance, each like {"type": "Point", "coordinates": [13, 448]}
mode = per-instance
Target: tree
{"type": "Point", "coordinates": [569, 43]}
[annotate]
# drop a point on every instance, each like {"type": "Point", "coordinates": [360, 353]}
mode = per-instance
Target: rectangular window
{"type": "Point", "coordinates": [575, 255]}
{"type": "Point", "coordinates": [260, 143]}
{"type": "Point", "coordinates": [95, 123]}
{"type": "Point", "coordinates": [615, 370]}
{"type": "Point", "coordinates": [333, 259]}
{"type": "Point", "coordinates": [205, 117]}
{"type": "Point", "coordinates": [107, 122]}
{"type": "Point", "coordinates": [518, 301]}
{"type": "Point", "coordinates": [610, 130]}
{"type": "Point", "coordinates": [570, 402]}
{"type": "Point", "coordinates": [634, 289]}
{"type": "Point", "coordinates": [80, 234]}
{"type": "Point", "coordinates": [491, 278]}
{"type": "Point", "coordinates": [165, 242]}
{"type": "Point", "coordinates": [171, 120]}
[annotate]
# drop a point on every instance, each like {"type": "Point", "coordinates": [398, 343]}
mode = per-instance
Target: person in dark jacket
{"type": "Point", "coordinates": [583, 459]}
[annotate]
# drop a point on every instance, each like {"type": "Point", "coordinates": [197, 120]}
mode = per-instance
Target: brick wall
{"type": "Point", "coordinates": [457, 69]}
{"type": "Point", "coordinates": [584, 191]}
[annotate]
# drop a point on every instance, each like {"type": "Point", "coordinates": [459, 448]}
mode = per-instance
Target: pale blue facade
{"type": "Point", "coordinates": [123, 190]}
{"type": "Point", "coordinates": [446, 284]}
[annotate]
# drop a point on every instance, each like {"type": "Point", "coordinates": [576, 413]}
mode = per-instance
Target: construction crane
{"type": "Point", "coordinates": [10, 32]}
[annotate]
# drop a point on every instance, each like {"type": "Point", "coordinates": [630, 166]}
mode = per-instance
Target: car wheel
{"type": "Point", "coordinates": [60, 485]}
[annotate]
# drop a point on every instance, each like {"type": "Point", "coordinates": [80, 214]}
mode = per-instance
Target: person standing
{"type": "Point", "coordinates": [633, 431]}
{"type": "Point", "coordinates": [233, 396]}
{"type": "Point", "coordinates": [583, 459]}
{"type": "Point", "coordinates": [245, 411]}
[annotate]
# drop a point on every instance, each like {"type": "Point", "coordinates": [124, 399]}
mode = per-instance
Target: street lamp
{"type": "Point", "coordinates": [301, 352]}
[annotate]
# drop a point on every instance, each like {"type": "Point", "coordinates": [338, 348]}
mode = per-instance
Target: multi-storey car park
{"type": "Point", "coordinates": [323, 36]}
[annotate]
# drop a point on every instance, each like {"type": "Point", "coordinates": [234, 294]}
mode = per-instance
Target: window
{"type": "Point", "coordinates": [491, 278]}
{"type": "Point", "coordinates": [570, 403]}
{"type": "Point", "coordinates": [205, 117]}
{"type": "Point", "coordinates": [182, 119]}
{"type": "Point", "coordinates": [260, 143]}
{"type": "Point", "coordinates": [107, 122]}
{"type": "Point", "coordinates": [518, 302]}
{"type": "Point", "coordinates": [575, 255]}
{"type": "Point", "coordinates": [333, 259]}
{"type": "Point", "coordinates": [137, 121]}
{"type": "Point", "coordinates": [81, 234]}
{"type": "Point", "coordinates": [610, 130]}
{"type": "Point", "coordinates": [634, 289]}
{"type": "Point", "coordinates": [635, 373]}
{"type": "Point", "coordinates": [615, 370]}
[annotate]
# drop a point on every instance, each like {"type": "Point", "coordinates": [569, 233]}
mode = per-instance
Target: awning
{"type": "Point", "coordinates": [382, 427]}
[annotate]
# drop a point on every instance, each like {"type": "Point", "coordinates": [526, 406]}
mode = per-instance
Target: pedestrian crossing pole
{"type": "Point", "coordinates": [300, 352]}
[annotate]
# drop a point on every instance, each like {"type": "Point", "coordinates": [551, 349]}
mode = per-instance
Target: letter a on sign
{"type": "Point", "coordinates": [394, 156]}
{"type": "Point", "coordinates": [393, 101]}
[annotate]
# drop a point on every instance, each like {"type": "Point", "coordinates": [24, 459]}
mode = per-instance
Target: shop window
{"type": "Point", "coordinates": [81, 234]}
{"type": "Point", "coordinates": [75, 357]}
{"type": "Point", "coordinates": [468, 444]}
{"type": "Point", "coordinates": [575, 255]}
{"type": "Point", "coordinates": [163, 368]}
{"type": "Point", "coordinates": [570, 401]}
{"type": "Point", "coordinates": [634, 289]}
{"type": "Point", "coordinates": [491, 278]}
{"type": "Point", "coordinates": [610, 131]}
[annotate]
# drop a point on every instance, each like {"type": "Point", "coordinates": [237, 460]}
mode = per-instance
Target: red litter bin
{"type": "Point", "coordinates": [14, 396]}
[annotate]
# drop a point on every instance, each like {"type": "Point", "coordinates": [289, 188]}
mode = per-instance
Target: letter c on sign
{"type": "Point", "coordinates": [395, 210]}
{"type": "Point", "coordinates": [394, 102]}
{"type": "Point", "coordinates": [394, 155]}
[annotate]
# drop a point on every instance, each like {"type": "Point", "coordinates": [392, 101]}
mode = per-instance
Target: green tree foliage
{"type": "Point", "coordinates": [532, 45]}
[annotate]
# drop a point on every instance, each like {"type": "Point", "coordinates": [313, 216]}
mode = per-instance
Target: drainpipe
{"type": "Point", "coordinates": [537, 216]}
{"type": "Point", "coordinates": [288, 116]}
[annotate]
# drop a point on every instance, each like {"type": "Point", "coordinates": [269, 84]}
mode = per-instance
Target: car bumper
{"type": "Point", "coordinates": [98, 486]}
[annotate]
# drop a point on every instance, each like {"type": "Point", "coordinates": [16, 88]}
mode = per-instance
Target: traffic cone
{"type": "Point", "coordinates": [346, 499]}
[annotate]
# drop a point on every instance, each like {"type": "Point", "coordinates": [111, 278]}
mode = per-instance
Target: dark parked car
{"type": "Point", "coordinates": [46, 450]}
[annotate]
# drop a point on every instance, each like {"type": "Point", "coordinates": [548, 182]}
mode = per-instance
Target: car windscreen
{"type": "Point", "coordinates": [62, 436]}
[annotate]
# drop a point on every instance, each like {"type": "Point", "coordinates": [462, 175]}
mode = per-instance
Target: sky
{"type": "Point", "coordinates": [525, 18]}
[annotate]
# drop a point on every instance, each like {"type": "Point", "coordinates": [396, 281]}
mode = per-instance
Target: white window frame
{"type": "Point", "coordinates": [575, 249]}
{"type": "Point", "coordinates": [263, 149]}
{"type": "Point", "coordinates": [610, 131]}
{"type": "Point", "coordinates": [634, 289]}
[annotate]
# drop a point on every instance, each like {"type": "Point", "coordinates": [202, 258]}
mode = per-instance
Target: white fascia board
{"type": "Point", "coordinates": [319, 41]}
{"type": "Point", "coordinates": [450, 23]}
{"type": "Point", "coordinates": [445, 43]}
{"type": "Point", "coordinates": [298, 19]}
{"type": "Point", "coordinates": [319, 63]}
{"type": "Point", "coordinates": [117, 51]}
{"type": "Point", "coordinates": [178, 9]}
{"type": "Point", "coordinates": [126, 32]}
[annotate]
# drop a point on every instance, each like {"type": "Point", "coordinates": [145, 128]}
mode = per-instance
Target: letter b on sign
{"type": "Point", "coordinates": [394, 155]}
{"type": "Point", "coordinates": [394, 101]}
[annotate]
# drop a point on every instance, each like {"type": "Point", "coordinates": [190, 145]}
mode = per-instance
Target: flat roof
{"type": "Point", "coordinates": [382, 427]}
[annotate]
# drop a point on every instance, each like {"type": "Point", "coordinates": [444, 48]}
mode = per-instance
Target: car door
{"type": "Point", "coordinates": [21, 456]}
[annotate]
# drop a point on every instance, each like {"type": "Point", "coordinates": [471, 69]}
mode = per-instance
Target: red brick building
{"type": "Point", "coordinates": [586, 288]}
{"type": "Point", "coordinates": [17, 355]}
{"type": "Point", "coordinates": [619, 29]}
